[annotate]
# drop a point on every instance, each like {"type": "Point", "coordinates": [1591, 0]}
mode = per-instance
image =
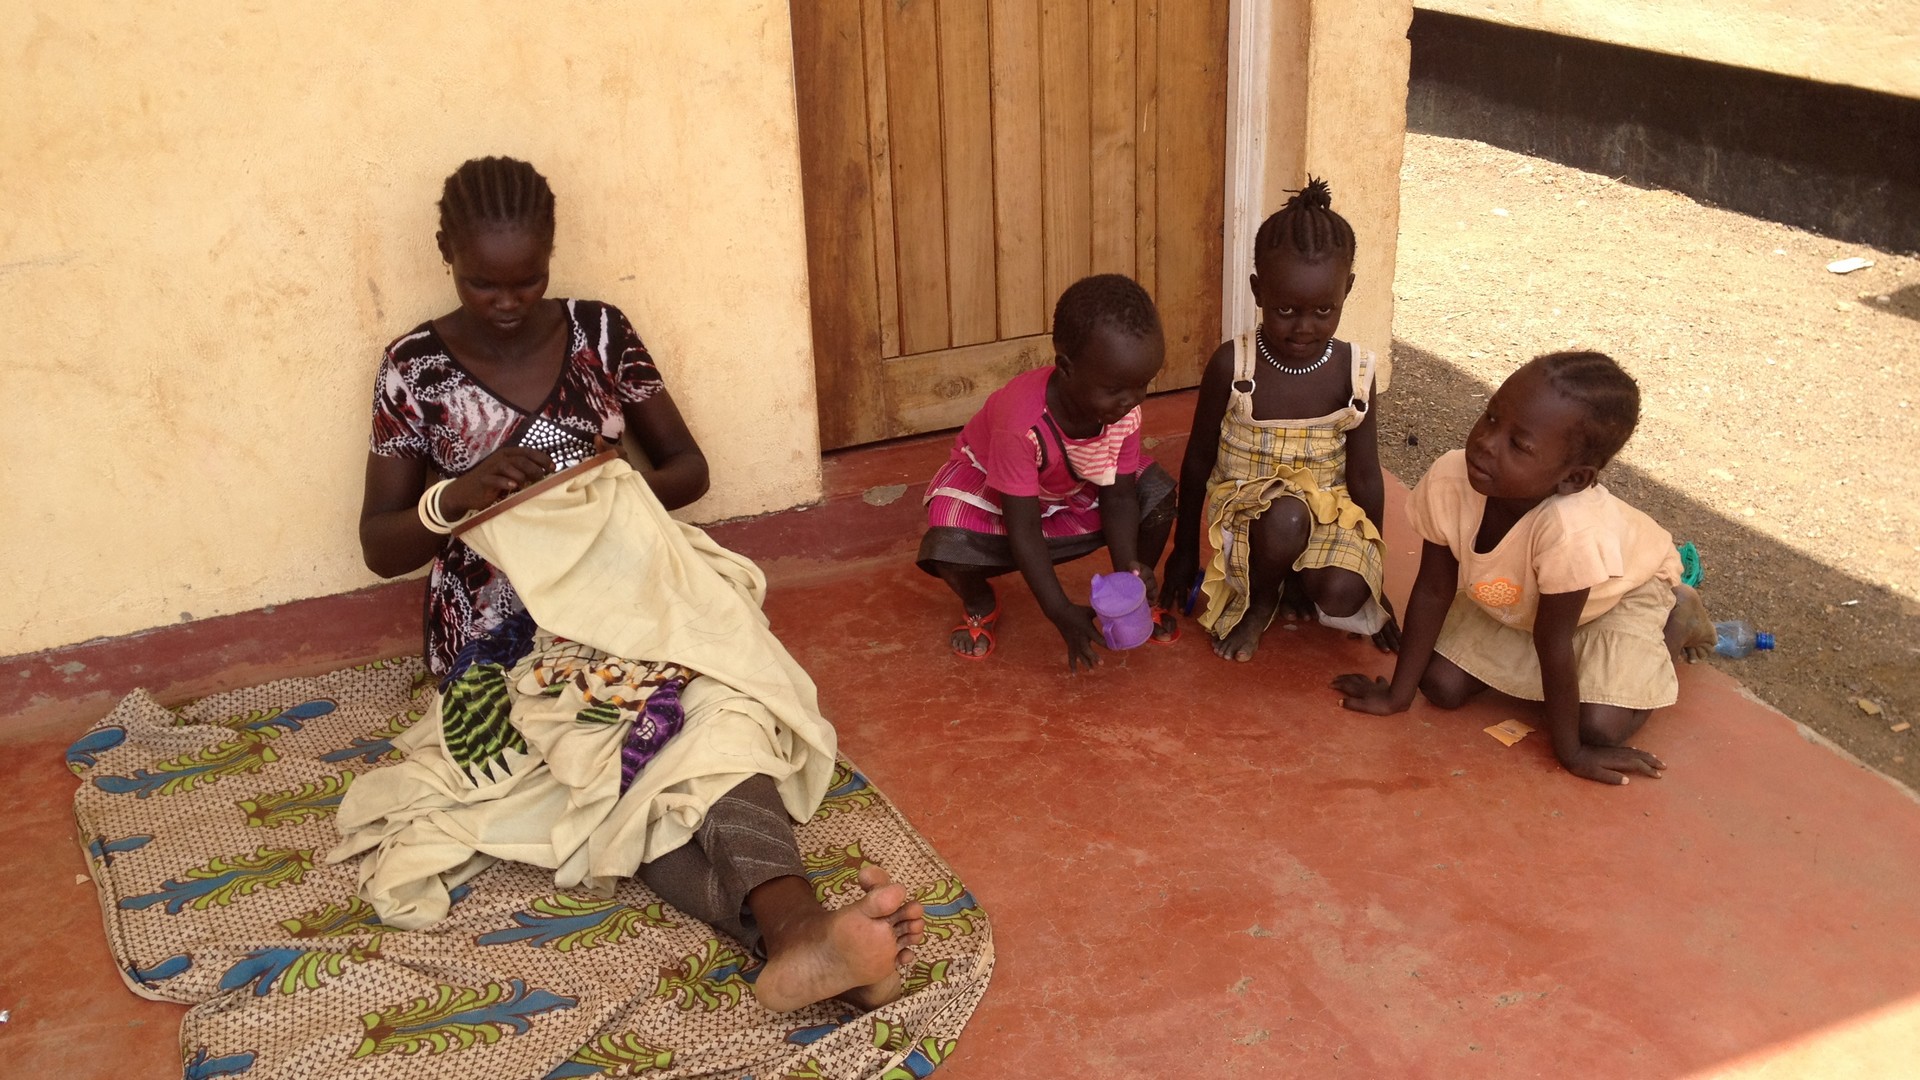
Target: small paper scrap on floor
{"type": "Point", "coordinates": [1849, 265]}
{"type": "Point", "coordinates": [81, 879]}
{"type": "Point", "coordinates": [1899, 727]}
{"type": "Point", "coordinates": [1868, 707]}
{"type": "Point", "coordinates": [1509, 731]}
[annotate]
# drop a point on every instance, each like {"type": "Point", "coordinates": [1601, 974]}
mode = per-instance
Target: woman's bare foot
{"type": "Point", "coordinates": [1690, 632]}
{"type": "Point", "coordinates": [1241, 641]}
{"type": "Point", "coordinates": [853, 953]}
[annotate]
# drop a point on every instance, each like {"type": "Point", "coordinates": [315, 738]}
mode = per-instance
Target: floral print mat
{"type": "Point", "coordinates": [208, 826]}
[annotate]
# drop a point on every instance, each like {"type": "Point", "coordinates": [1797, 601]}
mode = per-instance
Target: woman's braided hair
{"type": "Point", "coordinates": [1609, 395]}
{"type": "Point", "coordinates": [496, 192]}
{"type": "Point", "coordinates": [1308, 226]}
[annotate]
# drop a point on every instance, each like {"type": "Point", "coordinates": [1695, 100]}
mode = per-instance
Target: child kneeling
{"type": "Point", "coordinates": [1537, 581]}
{"type": "Point", "coordinates": [1051, 469]}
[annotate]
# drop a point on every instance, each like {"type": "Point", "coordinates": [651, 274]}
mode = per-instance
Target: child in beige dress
{"type": "Point", "coordinates": [1538, 581]}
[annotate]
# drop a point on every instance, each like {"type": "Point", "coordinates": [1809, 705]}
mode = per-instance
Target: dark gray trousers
{"type": "Point", "coordinates": [746, 841]}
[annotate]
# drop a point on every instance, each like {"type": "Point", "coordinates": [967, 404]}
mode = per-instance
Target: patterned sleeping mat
{"type": "Point", "coordinates": [207, 827]}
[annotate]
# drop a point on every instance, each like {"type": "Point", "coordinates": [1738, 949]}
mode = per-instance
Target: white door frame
{"type": "Point", "coordinates": [1249, 71]}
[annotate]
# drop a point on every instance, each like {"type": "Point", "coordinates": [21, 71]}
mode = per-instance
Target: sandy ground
{"type": "Point", "coordinates": [1780, 402]}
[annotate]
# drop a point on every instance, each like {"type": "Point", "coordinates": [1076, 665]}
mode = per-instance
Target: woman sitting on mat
{"type": "Point", "coordinates": [490, 398]}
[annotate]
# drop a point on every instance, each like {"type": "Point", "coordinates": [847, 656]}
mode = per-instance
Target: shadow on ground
{"type": "Point", "coordinates": [1829, 656]}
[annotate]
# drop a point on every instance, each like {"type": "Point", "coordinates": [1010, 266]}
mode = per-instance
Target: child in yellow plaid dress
{"type": "Point", "coordinates": [1283, 456]}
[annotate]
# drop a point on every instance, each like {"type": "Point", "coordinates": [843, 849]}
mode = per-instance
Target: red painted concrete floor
{"type": "Point", "coordinates": [1192, 867]}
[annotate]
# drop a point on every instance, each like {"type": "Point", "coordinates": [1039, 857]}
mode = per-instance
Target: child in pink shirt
{"type": "Point", "coordinates": [1537, 581]}
{"type": "Point", "coordinates": [1051, 469]}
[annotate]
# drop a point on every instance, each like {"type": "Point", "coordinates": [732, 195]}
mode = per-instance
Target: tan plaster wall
{"type": "Point", "coordinates": [1872, 44]}
{"type": "Point", "coordinates": [212, 218]}
{"type": "Point", "coordinates": [1338, 110]}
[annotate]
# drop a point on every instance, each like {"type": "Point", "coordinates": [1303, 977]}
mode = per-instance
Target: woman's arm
{"type": "Point", "coordinates": [1553, 626]}
{"type": "Point", "coordinates": [675, 468]}
{"type": "Point", "coordinates": [1196, 469]}
{"type": "Point", "coordinates": [1433, 592]}
{"type": "Point", "coordinates": [393, 540]}
{"type": "Point", "coordinates": [1074, 621]}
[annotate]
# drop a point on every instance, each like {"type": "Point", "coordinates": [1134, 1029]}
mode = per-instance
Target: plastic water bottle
{"type": "Point", "coordinates": [1736, 639]}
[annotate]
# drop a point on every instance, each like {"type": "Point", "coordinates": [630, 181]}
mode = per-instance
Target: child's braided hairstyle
{"type": "Point", "coordinates": [1113, 299]}
{"type": "Point", "coordinates": [1308, 226]}
{"type": "Point", "coordinates": [493, 192]}
{"type": "Point", "coordinates": [1611, 398]}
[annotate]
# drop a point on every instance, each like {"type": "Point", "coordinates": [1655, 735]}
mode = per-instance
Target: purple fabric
{"type": "Point", "coordinates": [659, 721]}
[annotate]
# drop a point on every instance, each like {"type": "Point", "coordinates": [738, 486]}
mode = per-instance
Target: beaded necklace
{"type": "Point", "coordinates": [1260, 340]}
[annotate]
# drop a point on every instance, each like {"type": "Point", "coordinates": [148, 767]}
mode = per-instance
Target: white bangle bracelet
{"type": "Point", "coordinates": [431, 515]}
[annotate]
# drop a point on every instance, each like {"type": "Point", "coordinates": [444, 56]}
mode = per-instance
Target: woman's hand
{"type": "Point", "coordinates": [1611, 764]}
{"type": "Point", "coordinates": [498, 475]}
{"type": "Point", "coordinates": [1367, 694]}
{"type": "Point", "coordinates": [1075, 623]}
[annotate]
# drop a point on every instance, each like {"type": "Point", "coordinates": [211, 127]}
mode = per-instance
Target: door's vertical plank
{"type": "Point", "coordinates": [919, 196]}
{"type": "Point", "coordinates": [967, 145]}
{"type": "Point", "coordinates": [1191, 195]}
{"type": "Point", "coordinates": [1024, 303]}
{"type": "Point", "coordinates": [880, 171]}
{"type": "Point", "coordinates": [830, 87]}
{"type": "Point", "coordinates": [1111, 96]}
{"type": "Point", "coordinates": [1146, 46]}
{"type": "Point", "coordinates": [1067, 211]}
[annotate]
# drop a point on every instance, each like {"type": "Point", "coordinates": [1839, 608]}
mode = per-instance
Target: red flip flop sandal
{"type": "Point", "coordinates": [1160, 616]}
{"type": "Point", "coordinates": [977, 627]}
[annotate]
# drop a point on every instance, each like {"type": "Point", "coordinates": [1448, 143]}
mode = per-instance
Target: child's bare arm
{"type": "Point", "coordinates": [1553, 626]}
{"type": "Point", "coordinates": [1196, 468]}
{"type": "Point", "coordinates": [1075, 621]}
{"type": "Point", "coordinates": [1120, 524]}
{"type": "Point", "coordinates": [1365, 484]}
{"type": "Point", "coordinates": [1433, 592]}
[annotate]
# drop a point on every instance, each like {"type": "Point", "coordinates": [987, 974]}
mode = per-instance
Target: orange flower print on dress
{"type": "Point", "coordinates": [1497, 593]}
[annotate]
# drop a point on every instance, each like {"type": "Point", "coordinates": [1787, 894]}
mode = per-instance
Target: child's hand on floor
{"type": "Point", "coordinates": [1367, 694]}
{"type": "Point", "coordinates": [1075, 623]}
{"type": "Point", "coordinates": [1387, 638]}
{"type": "Point", "coordinates": [1610, 764]}
{"type": "Point", "coordinates": [1181, 568]}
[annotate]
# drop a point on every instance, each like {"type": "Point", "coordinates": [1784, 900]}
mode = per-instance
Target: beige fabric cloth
{"type": "Point", "coordinates": [1589, 540]}
{"type": "Point", "coordinates": [596, 560]}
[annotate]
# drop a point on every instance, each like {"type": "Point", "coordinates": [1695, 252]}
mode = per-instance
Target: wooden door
{"type": "Point", "coordinates": [964, 161]}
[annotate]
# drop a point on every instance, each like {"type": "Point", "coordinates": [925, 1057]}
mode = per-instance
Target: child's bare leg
{"type": "Point", "coordinates": [1342, 593]}
{"type": "Point", "coordinates": [1274, 540]}
{"type": "Point", "coordinates": [814, 954]}
{"type": "Point", "coordinates": [969, 583]}
{"type": "Point", "coordinates": [1690, 633]}
{"type": "Point", "coordinates": [1610, 725]}
{"type": "Point", "coordinates": [1446, 685]}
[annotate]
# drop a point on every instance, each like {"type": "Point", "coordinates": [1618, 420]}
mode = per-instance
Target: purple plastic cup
{"type": "Point", "coordinates": [1121, 602]}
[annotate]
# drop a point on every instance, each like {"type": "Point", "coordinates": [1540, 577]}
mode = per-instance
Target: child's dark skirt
{"type": "Point", "coordinates": [965, 526]}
